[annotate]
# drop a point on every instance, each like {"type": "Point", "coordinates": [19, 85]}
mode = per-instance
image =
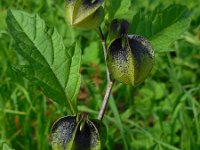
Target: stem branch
{"type": "Point", "coordinates": [109, 81]}
{"type": "Point", "coordinates": [103, 41]}
{"type": "Point", "coordinates": [105, 100]}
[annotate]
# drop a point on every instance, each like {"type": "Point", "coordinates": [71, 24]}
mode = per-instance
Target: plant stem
{"type": "Point", "coordinates": [109, 81]}
{"type": "Point", "coordinates": [105, 100]}
{"type": "Point", "coordinates": [103, 41]}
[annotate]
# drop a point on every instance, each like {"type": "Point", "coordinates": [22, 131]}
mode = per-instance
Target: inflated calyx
{"type": "Point", "coordinates": [130, 58]}
{"type": "Point", "coordinates": [78, 133]}
{"type": "Point", "coordinates": [85, 13]}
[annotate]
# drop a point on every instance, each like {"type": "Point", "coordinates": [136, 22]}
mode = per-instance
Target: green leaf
{"type": "Point", "coordinates": [123, 11]}
{"type": "Point", "coordinates": [118, 121]}
{"type": "Point", "coordinates": [6, 147]}
{"type": "Point", "coordinates": [55, 68]}
{"type": "Point", "coordinates": [112, 8]}
{"type": "Point", "coordinates": [91, 54]}
{"type": "Point", "coordinates": [119, 9]}
{"type": "Point", "coordinates": [162, 27]}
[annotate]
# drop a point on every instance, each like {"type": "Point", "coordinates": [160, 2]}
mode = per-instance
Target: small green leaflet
{"type": "Point", "coordinates": [162, 27]}
{"type": "Point", "coordinates": [55, 68]}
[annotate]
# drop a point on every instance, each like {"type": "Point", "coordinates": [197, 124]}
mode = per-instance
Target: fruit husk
{"type": "Point", "coordinates": [78, 133]}
{"type": "Point", "coordinates": [84, 13]}
{"type": "Point", "coordinates": [130, 59]}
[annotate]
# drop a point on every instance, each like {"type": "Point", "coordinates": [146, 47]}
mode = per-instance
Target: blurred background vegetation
{"type": "Point", "coordinates": [161, 113]}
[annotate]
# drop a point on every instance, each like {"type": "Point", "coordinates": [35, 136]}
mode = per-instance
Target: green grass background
{"type": "Point", "coordinates": [163, 113]}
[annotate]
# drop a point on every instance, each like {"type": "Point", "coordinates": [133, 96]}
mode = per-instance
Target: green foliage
{"type": "Point", "coordinates": [6, 147]}
{"type": "Point", "coordinates": [91, 54]}
{"type": "Point", "coordinates": [119, 9]}
{"type": "Point", "coordinates": [124, 9]}
{"type": "Point", "coordinates": [55, 68]}
{"type": "Point", "coordinates": [162, 27]}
